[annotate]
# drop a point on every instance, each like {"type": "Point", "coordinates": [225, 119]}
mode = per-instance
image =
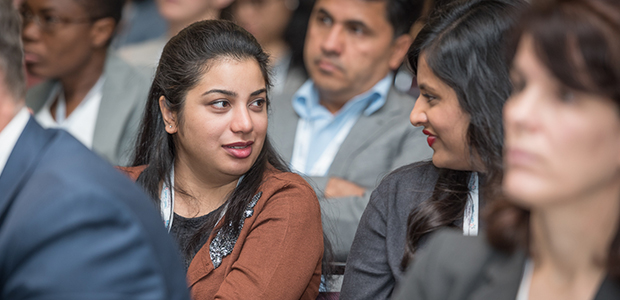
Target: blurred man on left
{"type": "Point", "coordinates": [89, 91]}
{"type": "Point", "coordinates": [71, 227]}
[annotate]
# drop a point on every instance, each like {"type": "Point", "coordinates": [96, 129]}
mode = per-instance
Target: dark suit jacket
{"type": "Point", "coordinates": [373, 266]}
{"type": "Point", "coordinates": [72, 227]}
{"type": "Point", "coordinates": [454, 267]}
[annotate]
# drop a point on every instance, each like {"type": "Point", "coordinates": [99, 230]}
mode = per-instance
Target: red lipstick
{"type": "Point", "coordinates": [239, 150]}
{"type": "Point", "coordinates": [430, 139]}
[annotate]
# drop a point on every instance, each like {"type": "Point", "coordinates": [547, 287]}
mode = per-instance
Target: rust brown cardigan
{"type": "Point", "coordinates": [279, 250]}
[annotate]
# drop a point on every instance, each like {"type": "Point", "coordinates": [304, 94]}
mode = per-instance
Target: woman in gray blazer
{"type": "Point", "coordinates": [464, 81]}
{"type": "Point", "coordinates": [556, 235]}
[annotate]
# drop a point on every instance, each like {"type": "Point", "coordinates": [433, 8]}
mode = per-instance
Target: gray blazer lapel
{"type": "Point", "coordinates": [366, 129]}
{"type": "Point", "coordinates": [501, 279]}
{"type": "Point", "coordinates": [283, 119]}
{"type": "Point", "coordinates": [285, 149]}
{"type": "Point", "coordinates": [283, 127]}
{"type": "Point", "coordinates": [123, 92]}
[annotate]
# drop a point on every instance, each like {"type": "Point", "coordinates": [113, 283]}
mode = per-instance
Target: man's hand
{"type": "Point", "coordinates": [338, 187]}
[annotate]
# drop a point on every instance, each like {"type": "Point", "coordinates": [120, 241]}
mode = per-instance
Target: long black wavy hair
{"type": "Point", "coordinates": [184, 59]}
{"type": "Point", "coordinates": [463, 44]}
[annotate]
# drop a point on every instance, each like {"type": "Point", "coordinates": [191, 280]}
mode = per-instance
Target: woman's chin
{"type": "Point", "coordinates": [521, 189]}
{"type": "Point", "coordinates": [237, 168]}
{"type": "Point", "coordinates": [437, 161]}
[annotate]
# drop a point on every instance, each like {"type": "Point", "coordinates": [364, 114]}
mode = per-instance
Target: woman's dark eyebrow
{"type": "Point", "coordinates": [426, 88]}
{"type": "Point", "coordinates": [258, 92]}
{"type": "Point", "coordinates": [225, 92]}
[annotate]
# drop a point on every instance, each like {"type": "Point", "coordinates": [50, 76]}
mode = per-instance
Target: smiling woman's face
{"type": "Point", "coordinates": [561, 144]}
{"type": "Point", "coordinates": [223, 124]}
{"type": "Point", "coordinates": [444, 121]}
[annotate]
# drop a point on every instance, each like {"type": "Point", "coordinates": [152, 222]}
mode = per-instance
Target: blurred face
{"type": "Point", "coordinates": [350, 46]}
{"type": "Point", "coordinates": [444, 121]}
{"type": "Point", "coordinates": [561, 144]}
{"type": "Point", "coordinates": [58, 37]}
{"type": "Point", "coordinates": [224, 120]}
{"type": "Point", "coordinates": [183, 10]}
{"type": "Point", "coordinates": [266, 20]}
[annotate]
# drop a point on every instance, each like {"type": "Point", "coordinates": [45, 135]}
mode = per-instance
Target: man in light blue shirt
{"type": "Point", "coordinates": [346, 127]}
{"type": "Point", "coordinates": [324, 126]}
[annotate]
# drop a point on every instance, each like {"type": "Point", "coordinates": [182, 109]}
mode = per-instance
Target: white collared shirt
{"type": "Point", "coordinates": [10, 134]}
{"type": "Point", "coordinates": [81, 122]}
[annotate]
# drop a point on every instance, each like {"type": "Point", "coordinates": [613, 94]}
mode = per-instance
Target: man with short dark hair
{"type": "Point", "coordinates": [90, 92]}
{"type": "Point", "coordinates": [71, 226]}
{"type": "Point", "coordinates": [346, 127]}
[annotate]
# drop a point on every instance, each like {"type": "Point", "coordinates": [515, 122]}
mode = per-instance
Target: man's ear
{"type": "Point", "coordinates": [102, 32]}
{"type": "Point", "coordinates": [170, 117]}
{"type": "Point", "coordinates": [399, 50]}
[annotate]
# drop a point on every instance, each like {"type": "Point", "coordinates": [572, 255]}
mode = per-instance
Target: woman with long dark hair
{"type": "Point", "coordinates": [556, 233]}
{"type": "Point", "coordinates": [248, 228]}
{"type": "Point", "coordinates": [464, 81]}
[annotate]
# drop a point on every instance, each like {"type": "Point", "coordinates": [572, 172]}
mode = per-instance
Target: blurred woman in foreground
{"type": "Point", "coordinates": [557, 236]}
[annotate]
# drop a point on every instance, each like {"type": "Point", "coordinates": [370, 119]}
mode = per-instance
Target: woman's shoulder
{"type": "Point", "coordinates": [402, 190]}
{"type": "Point", "coordinates": [415, 177]}
{"type": "Point", "coordinates": [288, 196]}
{"type": "Point", "coordinates": [450, 243]}
{"type": "Point", "coordinates": [466, 254]}
{"type": "Point", "coordinates": [276, 179]}
{"type": "Point", "coordinates": [132, 172]}
{"type": "Point", "coordinates": [451, 266]}
{"type": "Point", "coordinates": [418, 173]}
